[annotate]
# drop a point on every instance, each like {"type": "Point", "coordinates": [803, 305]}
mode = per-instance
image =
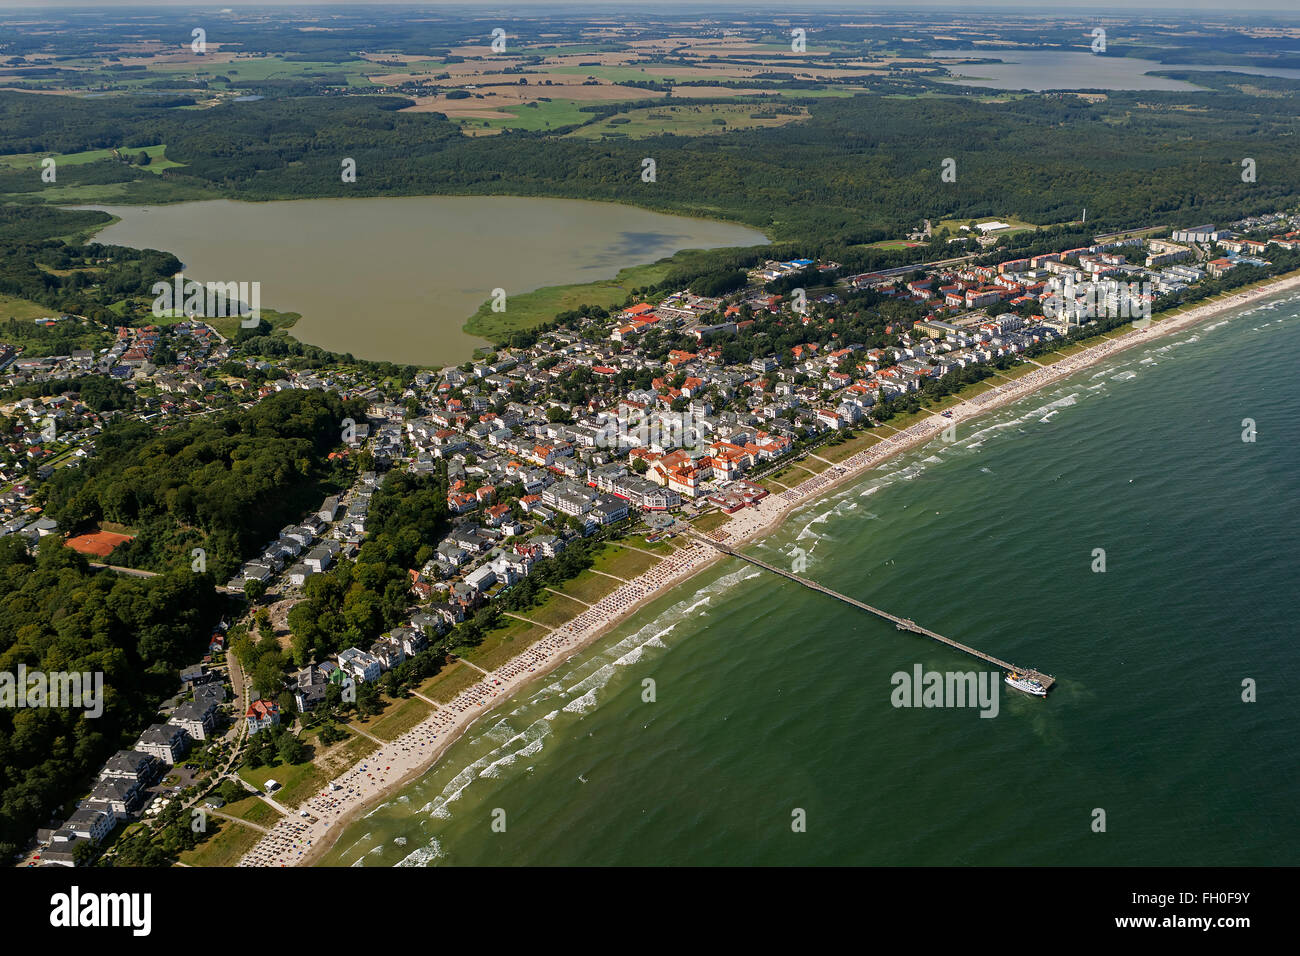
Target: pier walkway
{"type": "Point", "coordinates": [902, 623]}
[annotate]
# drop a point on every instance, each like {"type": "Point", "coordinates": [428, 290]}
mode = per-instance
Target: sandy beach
{"type": "Point", "coordinates": [297, 840]}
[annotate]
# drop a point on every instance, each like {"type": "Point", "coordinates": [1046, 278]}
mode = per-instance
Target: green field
{"type": "Point", "coordinates": [503, 643]}
{"type": "Point", "coordinates": [687, 120]}
{"type": "Point", "coordinates": [449, 682]}
{"type": "Point", "coordinates": [848, 448]}
{"type": "Point", "coordinates": [623, 562]}
{"type": "Point", "coordinates": [399, 718]}
{"type": "Point", "coordinates": [158, 161]}
{"type": "Point", "coordinates": [528, 309]}
{"type": "Point", "coordinates": [555, 610]}
{"type": "Point", "coordinates": [588, 588]}
{"type": "Point", "coordinates": [24, 310]}
{"type": "Point", "coordinates": [710, 521]}
{"type": "Point", "coordinates": [297, 781]}
{"type": "Point", "coordinates": [224, 847]}
{"type": "Point", "coordinates": [543, 115]}
{"type": "Point", "coordinates": [954, 225]}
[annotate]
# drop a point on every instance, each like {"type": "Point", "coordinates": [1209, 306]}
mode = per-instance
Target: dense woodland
{"type": "Point", "coordinates": [860, 168]}
{"type": "Point", "coordinates": [57, 614]}
{"type": "Point", "coordinates": [226, 485]}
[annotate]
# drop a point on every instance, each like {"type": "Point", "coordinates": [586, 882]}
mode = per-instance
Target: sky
{"type": "Point", "coordinates": [1039, 6]}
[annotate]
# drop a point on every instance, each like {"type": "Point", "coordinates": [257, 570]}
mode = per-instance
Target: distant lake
{"type": "Point", "coordinates": [395, 279]}
{"type": "Point", "coordinates": [1058, 70]}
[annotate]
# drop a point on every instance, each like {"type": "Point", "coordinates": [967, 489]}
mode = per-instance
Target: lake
{"type": "Point", "coordinates": [395, 279]}
{"type": "Point", "coordinates": [1060, 70]}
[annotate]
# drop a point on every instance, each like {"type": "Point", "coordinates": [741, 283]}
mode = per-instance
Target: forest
{"type": "Point", "coordinates": [58, 614]}
{"type": "Point", "coordinates": [859, 165]}
{"type": "Point", "coordinates": [225, 485]}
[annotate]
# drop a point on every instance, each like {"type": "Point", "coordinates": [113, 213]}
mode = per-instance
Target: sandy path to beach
{"type": "Point", "coordinates": [296, 840]}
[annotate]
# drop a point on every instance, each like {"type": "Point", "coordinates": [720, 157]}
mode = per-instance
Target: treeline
{"type": "Point", "coordinates": [99, 393]}
{"type": "Point", "coordinates": [260, 341]}
{"type": "Point", "coordinates": [89, 278]}
{"type": "Point", "coordinates": [225, 485]}
{"type": "Point", "coordinates": [33, 223]}
{"type": "Point", "coordinates": [857, 166]}
{"type": "Point", "coordinates": [56, 614]}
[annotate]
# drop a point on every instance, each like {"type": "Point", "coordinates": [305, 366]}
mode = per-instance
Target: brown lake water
{"type": "Point", "coordinates": [395, 279]}
{"type": "Point", "coordinates": [1069, 70]}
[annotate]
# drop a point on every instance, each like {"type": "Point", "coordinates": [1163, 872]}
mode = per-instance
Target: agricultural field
{"type": "Point", "coordinates": [692, 120]}
{"type": "Point", "coordinates": [32, 161]}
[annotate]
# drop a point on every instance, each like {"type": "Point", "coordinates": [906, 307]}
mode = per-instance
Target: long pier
{"type": "Point", "coordinates": [902, 623]}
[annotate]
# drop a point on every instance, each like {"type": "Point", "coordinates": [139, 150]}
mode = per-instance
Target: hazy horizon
{"type": "Point", "coordinates": [1164, 7]}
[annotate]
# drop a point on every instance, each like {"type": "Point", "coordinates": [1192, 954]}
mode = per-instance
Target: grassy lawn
{"type": "Point", "coordinates": [300, 781]}
{"type": "Point", "coordinates": [662, 547]}
{"type": "Point", "coordinates": [527, 309]}
{"type": "Point", "coordinates": [449, 682]}
{"type": "Point", "coordinates": [224, 847]}
{"type": "Point", "coordinates": [24, 310]}
{"type": "Point", "coordinates": [945, 403]}
{"type": "Point", "coordinates": [714, 519]}
{"type": "Point", "coordinates": [1066, 351]}
{"type": "Point", "coordinates": [979, 388]}
{"type": "Point", "coordinates": [554, 611]}
{"type": "Point", "coordinates": [787, 475]}
{"type": "Point", "coordinates": [847, 449]}
{"type": "Point", "coordinates": [623, 562]}
{"type": "Point", "coordinates": [904, 422]}
{"type": "Point", "coordinates": [297, 781]}
{"type": "Point", "coordinates": [400, 718]}
{"type": "Point", "coordinates": [504, 643]}
{"type": "Point", "coordinates": [588, 588]}
{"type": "Point", "coordinates": [254, 810]}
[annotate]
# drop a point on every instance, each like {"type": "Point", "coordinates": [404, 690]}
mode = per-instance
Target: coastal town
{"type": "Point", "coordinates": [638, 431]}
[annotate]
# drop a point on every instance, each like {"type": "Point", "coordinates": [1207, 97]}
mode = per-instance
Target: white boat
{"type": "Point", "coordinates": [1027, 684]}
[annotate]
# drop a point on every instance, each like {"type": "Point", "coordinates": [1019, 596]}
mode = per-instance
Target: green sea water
{"type": "Point", "coordinates": [771, 700]}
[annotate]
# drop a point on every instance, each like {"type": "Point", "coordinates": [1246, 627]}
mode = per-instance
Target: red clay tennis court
{"type": "Point", "coordinates": [100, 544]}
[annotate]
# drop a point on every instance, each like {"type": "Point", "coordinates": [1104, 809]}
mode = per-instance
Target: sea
{"type": "Point", "coordinates": [1130, 530]}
